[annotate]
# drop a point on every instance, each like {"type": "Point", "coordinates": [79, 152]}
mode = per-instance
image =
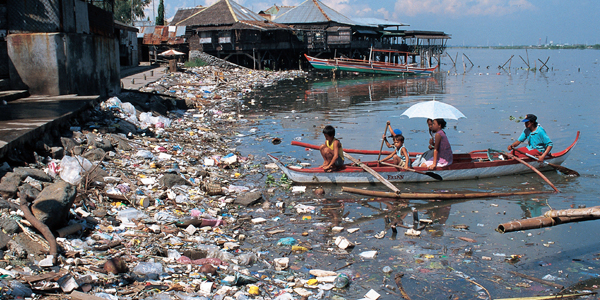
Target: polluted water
{"type": "Point", "coordinates": [173, 196]}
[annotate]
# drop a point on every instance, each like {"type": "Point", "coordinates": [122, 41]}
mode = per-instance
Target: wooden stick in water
{"type": "Point", "coordinates": [374, 173]}
{"type": "Point", "coordinates": [534, 169]}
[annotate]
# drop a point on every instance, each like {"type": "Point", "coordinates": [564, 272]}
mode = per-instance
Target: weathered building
{"type": "Point", "coordinates": [328, 33]}
{"type": "Point", "coordinates": [60, 47]}
{"type": "Point", "coordinates": [233, 32]}
{"type": "Point", "coordinates": [128, 44]}
{"type": "Point", "coordinates": [156, 39]}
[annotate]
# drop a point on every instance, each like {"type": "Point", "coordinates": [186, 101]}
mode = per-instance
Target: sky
{"type": "Point", "coordinates": [469, 22]}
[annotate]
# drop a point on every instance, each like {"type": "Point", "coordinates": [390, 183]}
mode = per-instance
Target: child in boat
{"type": "Point", "coordinates": [393, 134]}
{"type": "Point", "coordinates": [400, 155]}
{"type": "Point", "coordinates": [332, 152]}
{"type": "Point", "coordinates": [539, 142]}
{"type": "Point", "coordinates": [420, 159]}
{"type": "Point", "coordinates": [442, 152]}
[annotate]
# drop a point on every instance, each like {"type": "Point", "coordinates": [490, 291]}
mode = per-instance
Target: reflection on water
{"type": "Point", "coordinates": [436, 263]}
{"type": "Point", "coordinates": [331, 93]}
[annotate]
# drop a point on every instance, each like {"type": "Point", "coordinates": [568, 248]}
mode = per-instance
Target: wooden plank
{"type": "Point", "coordinates": [46, 276]}
{"type": "Point", "coordinates": [374, 173]}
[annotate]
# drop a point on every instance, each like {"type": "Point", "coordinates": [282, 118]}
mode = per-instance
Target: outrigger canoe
{"type": "Point", "coordinates": [472, 165]}
{"type": "Point", "coordinates": [367, 66]}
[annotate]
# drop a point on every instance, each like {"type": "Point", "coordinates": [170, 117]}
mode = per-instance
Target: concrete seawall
{"type": "Point", "coordinates": [26, 121]}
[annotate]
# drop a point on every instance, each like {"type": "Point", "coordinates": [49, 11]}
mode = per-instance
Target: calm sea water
{"type": "Point", "coordinates": [565, 99]}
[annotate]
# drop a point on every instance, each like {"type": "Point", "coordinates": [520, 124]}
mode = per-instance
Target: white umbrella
{"type": "Point", "coordinates": [433, 110]}
{"type": "Point", "coordinates": [171, 53]}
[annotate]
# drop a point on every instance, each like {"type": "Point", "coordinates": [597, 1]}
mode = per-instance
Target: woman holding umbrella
{"type": "Point", "coordinates": [442, 151]}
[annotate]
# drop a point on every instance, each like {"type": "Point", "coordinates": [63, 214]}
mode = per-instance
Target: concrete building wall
{"type": "Point", "coordinates": [63, 63]}
{"type": "Point", "coordinates": [34, 62]}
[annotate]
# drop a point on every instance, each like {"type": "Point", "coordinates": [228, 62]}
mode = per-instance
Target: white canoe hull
{"type": "Point", "coordinates": [357, 175]}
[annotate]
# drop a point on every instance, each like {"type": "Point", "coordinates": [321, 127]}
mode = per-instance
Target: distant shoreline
{"type": "Point", "coordinates": [551, 47]}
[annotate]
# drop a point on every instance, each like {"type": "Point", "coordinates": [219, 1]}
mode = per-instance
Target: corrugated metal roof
{"type": "Point", "coordinates": [124, 26]}
{"type": "Point", "coordinates": [313, 11]}
{"type": "Point", "coordinates": [378, 22]}
{"type": "Point", "coordinates": [242, 13]}
{"type": "Point", "coordinates": [156, 35]}
{"type": "Point", "coordinates": [276, 10]}
{"type": "Point", "coordinates": [221, 13]}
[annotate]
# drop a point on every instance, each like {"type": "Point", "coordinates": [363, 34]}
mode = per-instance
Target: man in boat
{"type": "Point", "coordinates": [332, 152]}
{"type": "Point", "coordinates": [539, 144]}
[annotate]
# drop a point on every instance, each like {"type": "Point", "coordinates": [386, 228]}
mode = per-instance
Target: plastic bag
{"type": "Point", "coordinates": [222, 255]}
{"type": "Point", "coordinates": [173, 254]}
{"type": "Point", "coordinates": [72, 167]}
{"type": "Point", "coordinates": [131, 213]}
{"type": "Point", "coordinates": [19, 289]}
{"type": "Point", "coordinates": [183, 296]}
{"type": "Point", "coordinates": [111, 103]}
{"type": "Point", "coordinates": [128, 109]}
{"type": "Point", "coordinates": [247, 259]}
{"type": "Point", "coordinates": [288, 241]}
{"type": "Point", "coordinates": [106, 296]}
{"type": "Point", "coordinates": [148, 268]}
{"type": "Point", "coordinates": [286, 296]}
{"type": "Point", "coordinates": [147, 120]}
{"type": "Point", "coordinates": [162, 217]}
{"type": "Point", "coordinates": [144, 154]}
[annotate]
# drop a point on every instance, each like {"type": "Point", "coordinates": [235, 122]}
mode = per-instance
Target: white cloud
{"type": "Point", "coordinates": [364, 12]}
{"type": "Point", "coordinates": [385, 13]}
{"type": "Point", "coordinates": [341, 6]}
{"type": "Point", "coordinates": [461, 7]}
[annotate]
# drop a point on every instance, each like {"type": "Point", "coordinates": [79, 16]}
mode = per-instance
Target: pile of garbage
{"type": "Point", "coordinates": [202, 85]}
{"type": "Point", "coordinates": [137, 205]}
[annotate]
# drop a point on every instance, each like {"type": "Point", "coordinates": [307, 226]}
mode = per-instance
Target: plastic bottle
{"type": "Point", "coordinates": [341, 281]}
{"type": "Point", "coordinates": [415, 218]}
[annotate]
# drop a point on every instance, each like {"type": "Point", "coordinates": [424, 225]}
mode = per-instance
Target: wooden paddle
{"type": "Point", "coordinates": [431, 174]}
{"type": "Point", "coordinates": [560, 168]}
{"type": "Point", "coordinates": [533, 168]}
{"type": "Point", "coordinates": [383, 140]}
{"type": "Point", "coordinates": [373, 172]}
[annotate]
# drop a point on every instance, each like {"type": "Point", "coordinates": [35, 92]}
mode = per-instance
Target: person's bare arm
{"type": "Point", "coordinates": [407, 162]}
{"type": "Point", "coordinates": [513, 145]}
{"type": "Point", "coordinates": [388, 157]}
{"type": "Point", "coordinates": [541, 158]}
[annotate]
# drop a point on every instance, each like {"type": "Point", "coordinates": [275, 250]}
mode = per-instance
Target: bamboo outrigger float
{"type": "Point", "coordinates": [552, 218]}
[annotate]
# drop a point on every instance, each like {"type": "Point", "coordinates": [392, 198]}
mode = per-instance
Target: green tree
{"type": "Point", "coordinates": [124, 9]}
{"type": "Point", "coordinates": [160, 17]}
